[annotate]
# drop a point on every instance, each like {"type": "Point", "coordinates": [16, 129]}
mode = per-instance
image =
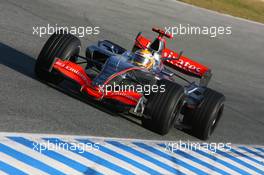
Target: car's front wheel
{"type": "Point", "coordinates": [163, 108]}
{"type": "Point", "coordinates": [59, 45]}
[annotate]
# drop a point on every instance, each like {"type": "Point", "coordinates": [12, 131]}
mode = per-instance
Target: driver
{"type": "Point", "coordinates": [143, 58]}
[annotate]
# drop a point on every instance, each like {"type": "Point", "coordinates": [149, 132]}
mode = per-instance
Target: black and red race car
{"type": "Point", "coordinates": [152, 93]}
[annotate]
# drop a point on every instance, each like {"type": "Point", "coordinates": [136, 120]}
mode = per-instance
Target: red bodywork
{"type": "Point", "coordinates": [182, 64]}
{"type": "Point", "coordinates": [78, 74]}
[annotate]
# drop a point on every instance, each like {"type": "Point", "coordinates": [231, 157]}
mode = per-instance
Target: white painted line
{"type": "Point", "coordinates": [256, 151]}
{"type": "Point", "coordinates": [211, 162]}
{"type": "Point", "coordinates": [252, 163]}
{"type": "Point", "coordinates": [188, 161]}
{"type": "Point", "coordinates": [137, 158]}
{"type": "Point", "coordinates": [20, 165]}
{"type": "Point", "coordinates": [112, 159]}
{"type": "Point", "coordinates": [3, 173]}
{"type": "Point", "coordinates": [82, 160]}
{"type": "Point", "coordinates": [41, 157]}
{"type": "Point", "coordinates": [100, 138]}
{"type": "Point", "coordinates": [140, 161]}
{"type": "Point", "coordinates": [232, 162]}
{"type": "Point", "coordinates": [249, 154]}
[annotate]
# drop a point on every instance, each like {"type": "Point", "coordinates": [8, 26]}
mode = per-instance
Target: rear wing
{"type": "Point", "coordinates": [183, 64]}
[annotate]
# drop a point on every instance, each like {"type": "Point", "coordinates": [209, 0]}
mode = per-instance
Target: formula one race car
{"type": "Point", "coordinates": [139, 81]}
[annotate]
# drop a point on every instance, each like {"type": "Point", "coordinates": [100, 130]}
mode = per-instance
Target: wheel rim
{"type": "Point", "coordinates": [176, 110]}
{"type": "Point", "coordinates": [218, 113]}
{"type": "Point", "coordinates": [71, 54]}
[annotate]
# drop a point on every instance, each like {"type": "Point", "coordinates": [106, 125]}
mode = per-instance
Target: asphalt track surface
{"type": "Point", "coordinates": [28, 105]}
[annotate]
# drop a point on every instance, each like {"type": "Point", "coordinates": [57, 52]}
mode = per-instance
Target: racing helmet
{"type": "Point", "coordinates": [143, 58]}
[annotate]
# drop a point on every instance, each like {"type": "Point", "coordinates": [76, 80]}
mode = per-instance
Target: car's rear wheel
{"type": "Point", "coordinates": [204, 119]}
{"type": "Point", "coordinates": [163, 108]}
{"type": "Point", "coordinates": [59, 45]}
